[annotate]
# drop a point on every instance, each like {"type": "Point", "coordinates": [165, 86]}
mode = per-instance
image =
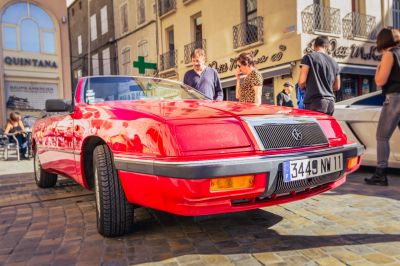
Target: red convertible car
{"type": "Point", "coordinates": [161, 144]}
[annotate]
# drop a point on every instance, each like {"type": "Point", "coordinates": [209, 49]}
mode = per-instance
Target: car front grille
{"type": "Point", "coordinates": [301, 185]}
{"type": "Point", "coordinates": [290, 135]}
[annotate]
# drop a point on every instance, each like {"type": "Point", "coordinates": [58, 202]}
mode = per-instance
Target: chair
{"type": "Point", "coordinates": [6, 146]}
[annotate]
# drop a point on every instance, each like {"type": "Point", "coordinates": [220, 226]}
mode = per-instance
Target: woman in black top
{"type": "Point", "coordinates": [16, 127]}
{"type": "Point", "coordinates": [388, 77]}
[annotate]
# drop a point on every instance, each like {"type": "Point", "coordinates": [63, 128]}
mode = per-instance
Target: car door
{"type": "Point", "coordinates": [65, 156]}
{"type": "Point", "coordinates": [361, 117]}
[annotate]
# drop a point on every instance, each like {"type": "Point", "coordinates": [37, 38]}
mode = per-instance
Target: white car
{"type": "Point", "coordinates": [359, 118]}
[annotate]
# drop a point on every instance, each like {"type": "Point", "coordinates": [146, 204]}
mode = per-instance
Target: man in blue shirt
{"type": "Point", "coordinates": [203, 78]}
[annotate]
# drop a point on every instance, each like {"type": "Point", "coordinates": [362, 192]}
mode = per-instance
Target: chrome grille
{"type": "Point", "coordinates": [301, 185]}
{"type": "Point", "coordinates": [277, 136]}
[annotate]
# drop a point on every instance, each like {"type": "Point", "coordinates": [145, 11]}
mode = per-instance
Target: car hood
{"type": "Point", "coordinates": [192, 109]}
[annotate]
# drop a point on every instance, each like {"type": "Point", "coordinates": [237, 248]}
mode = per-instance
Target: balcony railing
{"type": "Point", "coordinates": [248, 32]}
{"type": "Point", "coordinates": [166, 6]}
{"type": "Point", "coordinates": [168, 60]}
{"type": "Point", "coordinates": [356, 25]}
{"type": "Point", "coordinates": [189, 48]}
{"type": "Point", "coordinates": [318, 18]}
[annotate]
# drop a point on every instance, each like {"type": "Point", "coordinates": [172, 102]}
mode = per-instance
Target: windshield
{"type": "Point", "coordinates": [120, 88]}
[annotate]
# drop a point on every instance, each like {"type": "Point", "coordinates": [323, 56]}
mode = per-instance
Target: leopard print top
{"type": "Point", "coordinates": [246, 92]}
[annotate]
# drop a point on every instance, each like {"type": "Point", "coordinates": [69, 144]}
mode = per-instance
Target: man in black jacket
{"type": "Point", "coordinates": [283, 98]}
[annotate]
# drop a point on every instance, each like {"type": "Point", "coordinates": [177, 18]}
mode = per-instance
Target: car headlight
{"type": "Point", "coordinates": [214, 136]}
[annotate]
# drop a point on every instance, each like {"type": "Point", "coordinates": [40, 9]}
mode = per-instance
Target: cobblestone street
{"type": "Point", "coordinates": [355, 224]}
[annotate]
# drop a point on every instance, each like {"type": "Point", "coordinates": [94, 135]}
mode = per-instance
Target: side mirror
{"type": "Point", "coordinates": [58, 105]}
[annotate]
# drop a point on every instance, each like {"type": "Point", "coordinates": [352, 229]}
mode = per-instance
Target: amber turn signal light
{"type": "Point", "coordinates": [232, 182]}
{"type": "Point", "coordinates": [352, 162]}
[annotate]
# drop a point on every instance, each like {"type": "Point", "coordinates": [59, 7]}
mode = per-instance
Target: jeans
{"type": "Point", "coordinates": [22, 142]}
{"type": "Point", "coordinates": [388, 121]}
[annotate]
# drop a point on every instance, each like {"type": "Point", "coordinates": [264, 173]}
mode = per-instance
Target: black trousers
{"type": "Point", "coordinates": [326, 106]}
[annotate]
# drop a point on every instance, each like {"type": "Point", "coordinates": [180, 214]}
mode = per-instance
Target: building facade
{"type": "Point", "coordinates": [278, 33]}
{"type": "Point", "coordinates": [34, 49]}
{"type": "Point", "coordinates": [135, 27]}
{"type": "Point", "coordinates": [93, 44]}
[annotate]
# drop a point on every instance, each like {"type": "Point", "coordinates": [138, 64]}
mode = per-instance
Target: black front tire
{"type": "Point", "coordinates": [43, 178]}
{"type": "Point", "coordinates": [114, 212]}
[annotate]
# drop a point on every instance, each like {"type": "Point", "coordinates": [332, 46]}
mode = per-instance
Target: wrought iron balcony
{"type": "Point", "coordinates": [318, 18]}
{"type": "Point", "coordinates": [356, 25]}
{"type": "Point", "coordinates": [166, 6]}
{"type": "Point", "coordinates": [248, 32]}
{"type": "Point", "coordinates": [168, 60]}
{"type": "Point", "coordinates": [189, 48]}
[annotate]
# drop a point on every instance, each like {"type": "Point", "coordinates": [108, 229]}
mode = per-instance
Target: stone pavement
{"type": "Point", "coordinates": [355, 224]}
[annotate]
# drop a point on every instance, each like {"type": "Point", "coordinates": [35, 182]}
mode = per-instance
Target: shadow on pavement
{"type": "Point", "coordinates": [236, 233]}
{"type": "Point", "coordinates": [355, 185]}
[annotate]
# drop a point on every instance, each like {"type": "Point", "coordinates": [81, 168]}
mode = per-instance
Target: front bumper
{"type": "Point", "coordinates": [184, 187]}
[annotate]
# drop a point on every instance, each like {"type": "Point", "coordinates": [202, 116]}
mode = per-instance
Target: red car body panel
{"type": "Point", "coordinates": [158, 134]}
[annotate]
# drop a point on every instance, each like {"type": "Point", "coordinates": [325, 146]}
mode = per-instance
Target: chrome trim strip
{"type": "Point", "coordinates": [42, 147]}
{"type": "Point", "coordinates": [226, 167]}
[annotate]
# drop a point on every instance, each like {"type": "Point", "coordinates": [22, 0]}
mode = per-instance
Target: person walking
{"type": "Point", "coordinates": [284, 98]}
{"type": "Point", "coordinates": [319, 77]}
{"type": "Point", "coordinates": [203, 78]}
{"type": "Point", "coordinates": [387, 76]}
{"type": "Point", "coordinates": [249, 91]}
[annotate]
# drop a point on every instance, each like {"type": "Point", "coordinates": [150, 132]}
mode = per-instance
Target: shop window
{"type": "Point", "coordinates": [354, 85]}
{"type": "Point", "coordinates": [396, 14]}
{"type": "Point", "coordinates": [267, 94]}
{"type": "Point", "coordinates": [230, 94]}
{"type": "Point", "coordinates": [26, 27]}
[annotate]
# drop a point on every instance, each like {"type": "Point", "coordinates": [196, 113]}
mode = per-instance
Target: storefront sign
{"type": "Point", "coordinates": [353, 51]}
{"type": "Point", "coordinates": [29, 95]}
{"type": "Point", "coordinates": [258, 59]}
{"type": "Point", "coordinates": [19, 61]}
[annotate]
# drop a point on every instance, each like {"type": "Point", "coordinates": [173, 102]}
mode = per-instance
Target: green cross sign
{"type": "Point", "coordinates": [142, 65]}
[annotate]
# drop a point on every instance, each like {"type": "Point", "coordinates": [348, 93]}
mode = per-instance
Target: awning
{"type": "Point", "coordinates": [357, 69]}
{"type": "Point", "coordinates": [267, 73]}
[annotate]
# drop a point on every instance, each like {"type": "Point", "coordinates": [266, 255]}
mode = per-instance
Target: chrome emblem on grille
{"type": "Point", "coordinates": [297, 135]}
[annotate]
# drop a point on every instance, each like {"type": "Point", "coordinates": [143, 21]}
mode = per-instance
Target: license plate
{"type": "Point", "coordinates": [306, 168]}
